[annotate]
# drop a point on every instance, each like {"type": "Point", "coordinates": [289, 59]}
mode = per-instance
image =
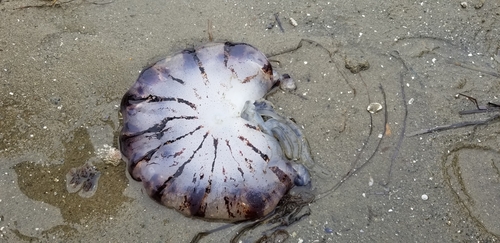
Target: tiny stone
{"type": "Point", "coordinates": [425, 197]}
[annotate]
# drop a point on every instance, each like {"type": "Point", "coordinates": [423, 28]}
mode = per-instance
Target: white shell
{"type": "Point", "coordinates": [184, 137]}
{"type": "Point", "coordinates": [374, 107]}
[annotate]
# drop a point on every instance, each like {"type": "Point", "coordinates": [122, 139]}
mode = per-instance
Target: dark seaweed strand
{"type": "Point", "coordinates": [199, 236]}
{"type": "Point", "coordinates": [262, 155]}
{"type": "Point", "coordinates": [355, 170]}
{"type": "Point", "coordinates": [395, 154]}
{"type": "Point", "coordinates": [276, 17]}
{"type": "Point", "coordinates": [403, 130]}
{"type": "Point", "coordinates": [384, 130]}
{"type": "Point", "coordinates": [453, 126]}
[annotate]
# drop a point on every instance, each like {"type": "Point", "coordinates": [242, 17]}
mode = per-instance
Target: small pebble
{"type": "Point", "coordinates": [425, 197]}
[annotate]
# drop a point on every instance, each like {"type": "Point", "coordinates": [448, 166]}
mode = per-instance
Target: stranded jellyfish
{"type": "Point", "coordinates": [203, 141]}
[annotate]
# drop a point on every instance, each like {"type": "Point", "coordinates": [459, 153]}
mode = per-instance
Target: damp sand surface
{"type": "Point", "coordinates": [65, 65]}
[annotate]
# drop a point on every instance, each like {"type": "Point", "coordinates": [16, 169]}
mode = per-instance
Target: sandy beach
{"type": "Point", "coordinates": [65, 65]}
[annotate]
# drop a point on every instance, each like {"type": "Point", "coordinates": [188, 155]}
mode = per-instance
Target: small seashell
{"type": "Point", "coordinates": [293, 22]}
{"type": "Point", "coordinates": [374, 107]}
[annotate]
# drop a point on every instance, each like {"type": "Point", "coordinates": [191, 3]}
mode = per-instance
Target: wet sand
{"type": "Point", "coordinates": [64, 69]}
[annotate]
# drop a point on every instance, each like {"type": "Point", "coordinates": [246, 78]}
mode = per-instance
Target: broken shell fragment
{"type": "Point", "coordinates": [374, 107]}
